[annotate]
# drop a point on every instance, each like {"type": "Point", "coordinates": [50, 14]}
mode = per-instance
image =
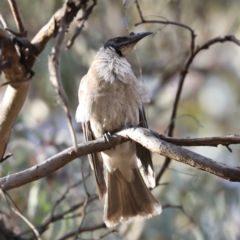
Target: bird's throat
{"type": "Point", "coordinates": [112, 67]}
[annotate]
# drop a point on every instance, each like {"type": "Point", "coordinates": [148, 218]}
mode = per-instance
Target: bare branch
{"type": "Point", "coordinates": [184, 72]}
{"type": "Point", "coordinates": [17, 18]}
{"type": "Point", "coordinates": [18, 213]}
{"type": "Point", "coordinates": [128, 30]}
{"type": "Point", "coordinates": [182, 78]}
{"type": "Point", "coordinates": [6, 157]}
{"type": "Point", "coordinates": [84, 178]}
{"type": "Point", "coordinates": [143, 136]}
{"type": "Point", "coordinates": [139, 11]}
{"type": "Point", "coordinates": [192, 34]}
{"type": "Point", "coordinates": [149, 140]}
{"type": "Point", "coordinates": [55, 78]}
{"type": "Point", "coordinates": [208, 141]}
{"type": "Point", "coordinates": [82, 219]}
{"type": "Point", "coordinates": [63, 215]}
{"type": "Point", "coordinates": [85, 229]}
{"type": "Point", "coordinates": [65, 194]}
{"type": "Point", "coordinates": [87, 12]}
{"type": "Point", "coordinates": [16, 93]}
{"type": "Point", "coordinates": [193, 52]}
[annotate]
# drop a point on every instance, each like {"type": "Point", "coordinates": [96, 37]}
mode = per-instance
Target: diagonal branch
{"type": "Point", "coordinates": [146, 137]}
{"type": "Point", "coordinates": [17, 18]}
{"type": "Point", "coordinates": [208, 141]}
{"type": "Point", "coordinates": [55, 78]}
{"type": "Point", "coordinates": [86, 13]}
{"type": "Point", "coordinates": [84, 229]}
{"type": "Point", "coordinates": [16, 210]}
{"type": "Point", "coordinates": [16, 93]}
{"type": "Point", "coordinates": [183, 74]}
{"type": "Point", "coordinates": [193, 52]}
{"type": "Point", "coordinates": [181, 81]}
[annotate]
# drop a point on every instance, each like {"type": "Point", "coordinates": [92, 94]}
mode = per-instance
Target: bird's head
{"type": "Point", "coordinates": [123, 45]}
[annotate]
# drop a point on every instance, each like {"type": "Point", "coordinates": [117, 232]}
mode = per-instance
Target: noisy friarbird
{"type": "Point", "coordinates": [110, 98]}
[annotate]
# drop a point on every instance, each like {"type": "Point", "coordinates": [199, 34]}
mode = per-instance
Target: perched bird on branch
{"type": "Point", "coordinates": [110, 98]}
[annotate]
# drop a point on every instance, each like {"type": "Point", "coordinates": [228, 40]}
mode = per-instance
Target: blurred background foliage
{"type": "Point", "coordinates": [209, 106]}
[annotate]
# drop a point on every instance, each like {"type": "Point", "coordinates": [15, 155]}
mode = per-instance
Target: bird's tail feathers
{"type": "Point", "coordinates": [127, 200]}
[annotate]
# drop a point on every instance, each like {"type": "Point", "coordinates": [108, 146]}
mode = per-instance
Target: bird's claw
{"type": "Point", "coordinates": [106, 136]}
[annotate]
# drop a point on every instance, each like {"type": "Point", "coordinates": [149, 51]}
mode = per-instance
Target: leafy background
{"type": "Point", "coordinates": [209, 106]}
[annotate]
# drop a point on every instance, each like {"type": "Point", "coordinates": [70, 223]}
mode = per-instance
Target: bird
{"type": "Point", "coordinates": [111, 98]}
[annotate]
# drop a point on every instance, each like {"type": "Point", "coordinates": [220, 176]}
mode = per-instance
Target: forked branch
{"type": "Point", "coordinates": [146, 137]}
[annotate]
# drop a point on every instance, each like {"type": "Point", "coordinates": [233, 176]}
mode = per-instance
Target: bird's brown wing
{"type": "Point", "coordinates": [95, 161]}
{"type": "Point", "coordinates": [143, 154]}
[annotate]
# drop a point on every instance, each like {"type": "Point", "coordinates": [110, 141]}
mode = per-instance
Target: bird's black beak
{"type": "Point", "coordinates": [127, 43]}
{"type": "Point", "coordinates": [124, 44]}
{"type": "Point", "coordinates": [133, 38]}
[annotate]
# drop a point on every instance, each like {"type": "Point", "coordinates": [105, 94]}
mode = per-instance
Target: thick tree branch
{"type": "Point", "coordinates": [145, 137]}
{"type": "Point", "coordinates": [16, 93]}
{"type": "Point", "coordinates": [148, 139]}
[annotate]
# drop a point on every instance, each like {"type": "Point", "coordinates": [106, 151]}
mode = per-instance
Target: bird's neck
{"type": "Point", "coordinates": [112, 67]}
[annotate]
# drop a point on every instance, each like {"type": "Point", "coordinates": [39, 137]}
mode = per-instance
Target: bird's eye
{"type": "Point", "coordinates": [117, 40]}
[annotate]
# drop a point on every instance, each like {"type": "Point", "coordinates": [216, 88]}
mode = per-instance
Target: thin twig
{"type": "Point", "coordinates": [86, 13]}
{"type": "Point", "coordinates": [17, 18]}
{"type": "Point", "coordinates": [82, 219]}
{"type": "Point", "coordinates": [61, 216]}
{"type": "Point", "coordinates": [208, 141]}
{"type": "Point", "coordinates": [184, 72]}
{"type": "Point", "coordinates": [84, 179]}
{"type": "Point", "coordinates": [52, 218]}
{"type": "Point", "coordinates": [65, 194]}
{"type": "Point", "coordinates": [72, 216]}
{"type": "Point", "coordinates": [180, 207]}
{"type": "Point", "coordinates": [192, 33]}
{"type": "Point", "coordinates": [181, 81]}
{"type": "Point", "coordinates": [16, 210]}
{"type": "Point", "coordinates": [139, 11]}
{"type": "Point", "coordinates": [55, 78]}
{"type": "Point", "coordinates": [193, 52]}
{"type": "Point", "coordinates": [101, 236]}
{"type": "Point", "coordinates": [6, 157]}
{"type": "Point", "coordinates": [128, 29]}
{"type": "Point", "coordinates": [84, 229]}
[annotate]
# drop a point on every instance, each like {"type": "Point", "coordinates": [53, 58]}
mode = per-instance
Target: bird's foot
{"type": "Point", "coordinates": [107, 136]}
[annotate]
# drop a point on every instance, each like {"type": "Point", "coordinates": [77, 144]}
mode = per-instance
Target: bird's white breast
{"type": "Point", "coordinates": [110, 66]}
{"type": "Point", "coordinates": [110, 97]}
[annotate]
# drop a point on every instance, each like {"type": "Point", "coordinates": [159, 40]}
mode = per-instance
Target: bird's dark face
{"type": "Point", "coordinates": [123, 45]}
